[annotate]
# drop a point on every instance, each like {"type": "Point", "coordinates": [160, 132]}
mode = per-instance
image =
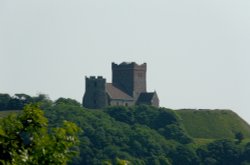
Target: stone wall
{"type": "Point", "coordinates": [129, 77]}
{"type": "Point", "coordinates": [117, 102]}
{"type": "Point", "coordinates": [95, 93]}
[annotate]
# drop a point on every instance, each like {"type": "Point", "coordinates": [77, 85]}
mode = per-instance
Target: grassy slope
{"type": "Point", "coordinates": [213, 124]}
{"type": "Point", "coordinates": [7, 112]}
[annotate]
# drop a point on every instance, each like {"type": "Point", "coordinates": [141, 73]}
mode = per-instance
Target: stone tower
{"type": "Point", "coordinates": [95, 92]}
{"type": "Point", "coordinates": [130, 78]}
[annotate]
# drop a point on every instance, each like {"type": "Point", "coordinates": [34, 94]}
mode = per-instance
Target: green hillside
{"type": "Point", "coordinates": [205, 124]}
{"type": "Point", "coordinates": [7, 112]}
{"type": "Point", "coordinates": [141, 135]}
{"type": "Point", "coordinates": [213, 123]}
{"type": "Point", "coordinates": [147, 135]}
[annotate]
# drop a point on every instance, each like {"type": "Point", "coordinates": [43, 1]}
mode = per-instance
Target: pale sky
{"type": "Point", "coordinates": [197, 51]}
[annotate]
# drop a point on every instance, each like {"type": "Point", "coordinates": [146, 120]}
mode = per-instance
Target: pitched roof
{"type": "Point", "coordinates": [116, 93]}
{"type": "Point", "coordinates": [145, 97]}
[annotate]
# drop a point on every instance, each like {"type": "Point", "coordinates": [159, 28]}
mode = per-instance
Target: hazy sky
{"type": "Point", "coordinates": [197, 51]}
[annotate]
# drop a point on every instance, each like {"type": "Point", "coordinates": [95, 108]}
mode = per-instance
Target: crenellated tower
{"type": "Point", "coordinates": [95, 92]}
{"type": "Point", "coordinates": [130, 78]}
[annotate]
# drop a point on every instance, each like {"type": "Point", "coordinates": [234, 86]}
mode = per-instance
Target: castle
{"type": "Point", "coordinates": [128, 88]}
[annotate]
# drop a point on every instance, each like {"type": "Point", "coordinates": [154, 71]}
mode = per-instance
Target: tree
{"type": "Point", "coordinates": [223, 152]}
{"type": "Point", "coordinates": [18, 101]}
{"type": "Point", "coordinates": [185, 155]}
{"type": "Point", "coordinates": [4, 100]}
{"type": "Point", "coordinates": [239, 136]}
{"type": "Point", "coordinates": [24, 139]}
{"type": "Point", "coordinates": [246, 153]}
{"type": "Point", "coordinates": [67, 101]}
{"type": "Point", "coordinates": [43, 100]}
{"type": "Point", "coordinates": [24, 97]}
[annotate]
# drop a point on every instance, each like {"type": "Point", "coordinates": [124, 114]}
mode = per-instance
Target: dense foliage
{"type": "Point", "coordinates": [18, 101]}
{"type": "Point", "coordinates": [142, 135]}
{"type": "Point", "coordinates": [106, 139]}
{"type": "Point", "coordinates": [24, 139]}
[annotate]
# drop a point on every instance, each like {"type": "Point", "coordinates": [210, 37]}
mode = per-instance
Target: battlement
{"type": "Point", "coordinates": [95, 82]}
{"type": "Point", "coordinates": [129, 65]}
{"type": "Point", "coordinates": [95, 78]}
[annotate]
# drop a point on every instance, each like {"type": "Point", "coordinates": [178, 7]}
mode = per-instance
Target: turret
{"type": "Point", "coordinates": [95, 92]}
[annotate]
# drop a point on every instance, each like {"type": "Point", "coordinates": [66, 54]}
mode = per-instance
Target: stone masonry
{"type": "Point", "coordinates": [128, 88]}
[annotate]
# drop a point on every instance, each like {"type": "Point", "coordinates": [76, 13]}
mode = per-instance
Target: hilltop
{"type": "Point", "coordinates": [214, 124]}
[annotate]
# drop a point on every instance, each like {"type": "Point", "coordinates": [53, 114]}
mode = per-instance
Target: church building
{"type": "Point", "coordinates": [128, 88]}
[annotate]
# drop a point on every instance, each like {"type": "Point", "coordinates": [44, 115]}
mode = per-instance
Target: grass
{"type": "Point", "coordinates": [245, 141]}
{"type": "Point", "coordinates": [7, 112]}
{"type": "Point", "coordinates": [213, 124]}
{"type": "Point", "coordinates": [201, 141]}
